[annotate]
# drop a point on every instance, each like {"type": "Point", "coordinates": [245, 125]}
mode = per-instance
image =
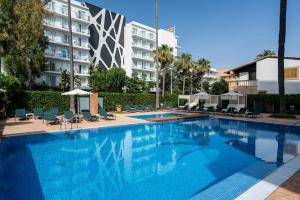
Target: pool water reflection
{"type": "Point", "coordinates": [170, 160]}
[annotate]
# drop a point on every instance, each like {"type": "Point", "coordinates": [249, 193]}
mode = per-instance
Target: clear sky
{"type": "Point", "coordinates": [226, 32]}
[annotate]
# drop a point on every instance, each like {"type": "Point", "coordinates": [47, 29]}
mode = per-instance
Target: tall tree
{"type": "Point", "coordinates": [23, 49]}
{"type": "Point", "coordinates": [265, 53]}
{"type": "Point", "coordinates": [201, 67]}
{"type": "Point", "coordinates": [156, 60]}
{"type": "Point", "coordinates": [281, 51]}
{"type": "Point", "coordinates": [183, 65]}
{"type": "Point", "coordinates": [7, 22]}
{"type": "Point", "coordinates": [165, 58]}
{"type": "Point", "coordinates": [72, 99]}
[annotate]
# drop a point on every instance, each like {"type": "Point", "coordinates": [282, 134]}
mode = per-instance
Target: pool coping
{"type": "Point", "coordinates": [270, 183]}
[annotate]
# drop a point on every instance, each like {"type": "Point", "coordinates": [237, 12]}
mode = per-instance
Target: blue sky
{"type": "Point", "coordinates": [226, 32]}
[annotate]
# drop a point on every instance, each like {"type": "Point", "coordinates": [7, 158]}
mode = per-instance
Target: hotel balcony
{"type": "Point", "coordinates": [63, 11]}
{"type": "Point", "coordinates": [243, 86]}
{"type": "Point", "coordinates": [65, 28]}
{"type": "Point", "coordinates": [143, 36]}
{"type": "Point", "coordinates": [143, 68]}
{"type": "Point", "coordinates": [147, 58]}
{"type": "Point", "coordinates": [143, 47]}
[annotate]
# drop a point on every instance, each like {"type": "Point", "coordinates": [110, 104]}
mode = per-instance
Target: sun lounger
{"type": "Point", "coordinates": [20, 114]}
{"type": "Point", "coordinates": [49, 117]}
{"type": "Point", "coordinates": [70, 117]}
{"type": "Point", "coordinates": [38, 113]}
{"type": "Point", "coordinates": [255, 113]}
{"type": "Point", "coordinates": [55, 111]}
{"type": "Point", "coordinates": [105, 115]}
{"type": "Point", "coordinates": [241, 112]}
{"type": "Point", "coordinates": [88, 116]}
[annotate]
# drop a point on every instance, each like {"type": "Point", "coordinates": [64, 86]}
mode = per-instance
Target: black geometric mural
{"type": "Point", "coordinates": [106, 37]}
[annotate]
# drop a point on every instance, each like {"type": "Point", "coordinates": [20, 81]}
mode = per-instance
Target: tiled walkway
{"type": "Point", "coordinates": [290, 190]}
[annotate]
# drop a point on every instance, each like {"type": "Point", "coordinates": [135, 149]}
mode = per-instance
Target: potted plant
{"type": "Point", "coordinates": [119, 108]}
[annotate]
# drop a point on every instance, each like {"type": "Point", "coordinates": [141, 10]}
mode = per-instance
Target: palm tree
{"type": "Point", "coordinates": [72, 100]}
{"type": "Point", "coordinates": [183, 65]}
{"type": "Point", "coordinates": [282, 32]}
{"type": "Point", "coordinates": [265, 53]}
{"type": "Point", "coordinates": [165, 58]}
{"type": "Point", "coordinates": [201, 67]}
{"type": "Point", "coordinates": [156, 60]}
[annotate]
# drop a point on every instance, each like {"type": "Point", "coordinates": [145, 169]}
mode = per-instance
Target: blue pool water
{"type": "Point", "coordinates": [211, 158]}
{"type": "Point", "coordinates": [157, 115]}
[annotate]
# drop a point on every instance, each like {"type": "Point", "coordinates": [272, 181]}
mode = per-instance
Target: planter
{"type": "Point", "coordinates": [119, 108]}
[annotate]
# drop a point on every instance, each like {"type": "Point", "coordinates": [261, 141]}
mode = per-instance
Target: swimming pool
{"type": "Point", "coordinates": [157, 115]}
{"type": "Point", "coordinates": [172, 160]}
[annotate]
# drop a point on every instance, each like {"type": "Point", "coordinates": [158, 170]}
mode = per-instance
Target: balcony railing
{"type": "Point", "coordinates": [242, 83]}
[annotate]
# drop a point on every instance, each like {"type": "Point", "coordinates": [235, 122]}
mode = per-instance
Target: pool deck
{"type": "Point", "coordinates": [171, 118]}
{"type": "Point", "coordinates": [288, 190]}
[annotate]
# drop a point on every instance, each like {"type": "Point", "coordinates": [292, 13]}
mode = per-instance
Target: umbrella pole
{"type": "Point", "coordinates": [77, 117]}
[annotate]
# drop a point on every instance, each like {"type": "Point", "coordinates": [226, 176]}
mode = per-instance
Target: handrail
{"type": "Point", "coordinates": [292, 125]}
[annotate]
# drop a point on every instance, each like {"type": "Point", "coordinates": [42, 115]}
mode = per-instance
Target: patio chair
{"type": "Point", "coordinates": [230, 111]}
{"type": "Point", "coordinates": [129, 108]}
{"type": "Point", "coordinates": [20, 114]}
{"type": "Point", "coordinates": [49, 117]}
{"type": "Point", "coordinates": [241, 112]}
{"type": "Point", "coordinates": [193, 108]}
{"type": "Point", "coordinates": [88, 116]}
{"type": "Point", "coordinates": [70, 117]}
{"type": "Point", "coordinates": [54, 110]}
{"type": "Point", "coordinates": [105, 115]}
{"type": "Point", "coordinates": [38, 113]}
{"type": "Point", "coordinates": [254, 114]}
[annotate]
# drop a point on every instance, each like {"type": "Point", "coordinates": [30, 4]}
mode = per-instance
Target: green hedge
{"type": "Point", "coordinates": [270, 102]}
{"type": "Point", "coordinates": [46, 100]}
{"type": "Point", "coordinates": [112, 99]}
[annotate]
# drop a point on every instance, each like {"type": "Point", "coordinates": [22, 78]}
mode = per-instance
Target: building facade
{"type": "Point", "coordinates": [106, 37]}
{"type": "Point", "coordinates": [140, 44]}
{"type": "Point", "coordinates": [261, 76]}
{"type": "Point", "coordinates": [57, 30]}
{"type": "Point", "coordinates": [100, 37]}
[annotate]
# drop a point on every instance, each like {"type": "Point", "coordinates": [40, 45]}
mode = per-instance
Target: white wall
{"type": "Point", "coordinates": [127, 49]}
{"type": "Point", "coordinates": [168, 38]}
{"type": "Point", "coordinates": [267, 69]}
{"type": "Point", "coordinates": [267, 76]}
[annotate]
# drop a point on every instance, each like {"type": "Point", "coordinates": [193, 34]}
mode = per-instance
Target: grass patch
{"type": "Point", "coordinates": [283, 116]}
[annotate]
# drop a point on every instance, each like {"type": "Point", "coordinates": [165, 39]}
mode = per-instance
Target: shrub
{"type": "Point", "coordinates": [270, 102]}
{"type": "Point", "coordinates": [46, 100]}
{"type": "Point", "coordinates": [112, 99]}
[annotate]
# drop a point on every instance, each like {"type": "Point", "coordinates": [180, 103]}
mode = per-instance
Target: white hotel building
{"type": "Point", "coordinates": [100, 37]}
{"type": "Point", "coordinates": [57, 30]}
{"type": "Point", "coordinates": [140, 45]}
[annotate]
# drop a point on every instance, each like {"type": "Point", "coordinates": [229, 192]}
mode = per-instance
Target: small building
{"type": "Point", "coordinates": [261, 76]}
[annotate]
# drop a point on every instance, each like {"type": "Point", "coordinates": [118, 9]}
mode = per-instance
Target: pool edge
{"type": "Point", "coordinates": [270, 183]}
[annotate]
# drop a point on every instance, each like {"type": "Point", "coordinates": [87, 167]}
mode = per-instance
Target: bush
{"type": "Point", "coordinates": [270, 102]}
{"type": "Point", "coordinates": [47, 99]}
{"type": "Point", "coordinates": [112, 99]}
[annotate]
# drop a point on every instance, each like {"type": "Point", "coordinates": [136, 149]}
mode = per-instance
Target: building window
{"type": "Point", "coordinates": [65, 39]}
{"type": "Point", "coordinates": [291, 73]}
{"type": "Point", "coordinates": [79, 69]}
{"type": "Point", "coordinates": [134, 30]}
{"type": "Point", "coordinates": [52, 66]}
{"type": "Point", "coordinates": [52, 80]}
